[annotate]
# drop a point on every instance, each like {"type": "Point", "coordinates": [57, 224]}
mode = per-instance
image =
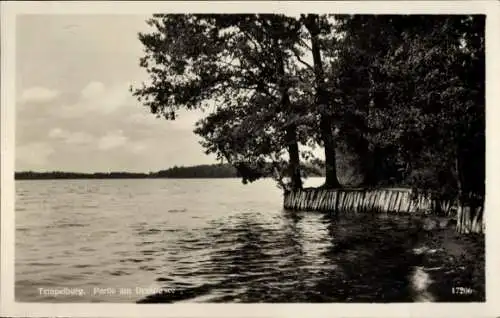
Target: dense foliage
{"type": "Point", "coordinates": [250, 70]}
{"type": "Point", "coordinates": [404, 94]}
{"type": "Point", "coordinates": [413, 98]}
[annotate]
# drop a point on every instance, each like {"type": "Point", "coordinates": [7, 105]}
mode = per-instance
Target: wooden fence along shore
{"type": "Point", "coordinates": [396, 200]}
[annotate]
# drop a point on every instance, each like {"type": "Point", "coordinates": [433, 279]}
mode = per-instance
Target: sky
{"type": "Point", "coordinates": [74, 110]}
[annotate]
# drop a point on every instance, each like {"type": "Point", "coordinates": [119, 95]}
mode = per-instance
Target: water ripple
{"type": "Point", "coordinates": [205, 247]}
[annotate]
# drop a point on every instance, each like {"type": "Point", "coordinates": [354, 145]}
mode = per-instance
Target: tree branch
{"type": "Point", "coordinates": [309, 66]}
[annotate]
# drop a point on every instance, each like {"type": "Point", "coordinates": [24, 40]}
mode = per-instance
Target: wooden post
{"type": "Point", "coordinates": [373, 201]}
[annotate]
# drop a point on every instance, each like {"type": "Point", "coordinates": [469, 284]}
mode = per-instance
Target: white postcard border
{"type": "Point", "coordinates": [8, 307]}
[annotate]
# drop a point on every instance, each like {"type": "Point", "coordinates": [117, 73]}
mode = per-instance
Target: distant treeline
{"type": "Point", "coordinates": [199, 171]}
{"type": "Point", "coordinates": [29, 175]}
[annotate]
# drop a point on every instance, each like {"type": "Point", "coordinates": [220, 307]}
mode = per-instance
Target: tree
{"type": "Point", "coordinates": [449, 95]}
{"type": "Point", "coordinates": [419, 96]}
{"type": "Point", "coordinates": [231, 60]}
{"type": "Point", "coordinates": [364, 116]}
{"type": "Point", "coordinates": [317, 25]}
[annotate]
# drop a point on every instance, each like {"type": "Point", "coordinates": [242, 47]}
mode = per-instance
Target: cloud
{"type": "Point", "coordinates": [79, 138]}
{"type": "Point", "coordinates": [56, 133]}
{"type": "Point", "coordinates": [35, 154]}
{"type": "Point", "coordinates": [93, 89]}
{"type": "Point", "coordinates": [137, 147]}
{"type": "Point", "coordinates": [75, 138]}
{"type": "Point", "coordinates": [185, 121]}
{"type": "Point", "coordinates": [141, 118]}
{"type": "Point", "coordinates": [112, 140]}
{"type": "Point", "coordinates": [97, 99]}
{"type": "Point", "coordinates": [38, 95]}
{"type": "Point", "coordinates": [115, 98]}
{"type": "Point", "coordinates": [69, 111]}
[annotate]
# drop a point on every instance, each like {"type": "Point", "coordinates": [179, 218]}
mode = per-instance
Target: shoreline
{"type": "Point", "coordinates": [437, 265]}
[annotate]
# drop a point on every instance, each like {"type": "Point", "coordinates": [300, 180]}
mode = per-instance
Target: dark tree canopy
{"type": "Point", "coordinates": [402, 94]}
{"type": "Point", "coordinates": [242, 65]}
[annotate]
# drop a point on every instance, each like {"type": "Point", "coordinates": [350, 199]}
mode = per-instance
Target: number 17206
{"type": "Point", "coordinates": [462, 291]}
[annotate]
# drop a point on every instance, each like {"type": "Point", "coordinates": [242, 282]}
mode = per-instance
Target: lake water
{"type": "Point", "coordinates": [211, 240]}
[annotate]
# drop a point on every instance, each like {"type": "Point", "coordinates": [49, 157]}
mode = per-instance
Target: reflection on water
{"type": "Point", "coordinates": [204, 241]}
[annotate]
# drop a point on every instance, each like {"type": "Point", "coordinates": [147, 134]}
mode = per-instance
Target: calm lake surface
{"type": "Point", "coordinates": [206, 240]}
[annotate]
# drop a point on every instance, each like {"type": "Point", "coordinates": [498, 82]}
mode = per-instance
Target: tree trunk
{"type": "Point", "coordinates": [370, 164]}
{"type": "Point", "coordinates": [461, 207]}
{"type": "Point", "coordinates": [290, 130]}
{"type": "Point", "coordinates": [470, 209]}
{"type": "Point", "coordinates": [478, 222]}
{"type": "Point", "coordinates": [365, 161]}
{"type": "Point", "coordinates": [294, 163]}
{"type": "Point", "coordinates": [331, 180]}
{"type": "Point", "coordinates": [329, 142]}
